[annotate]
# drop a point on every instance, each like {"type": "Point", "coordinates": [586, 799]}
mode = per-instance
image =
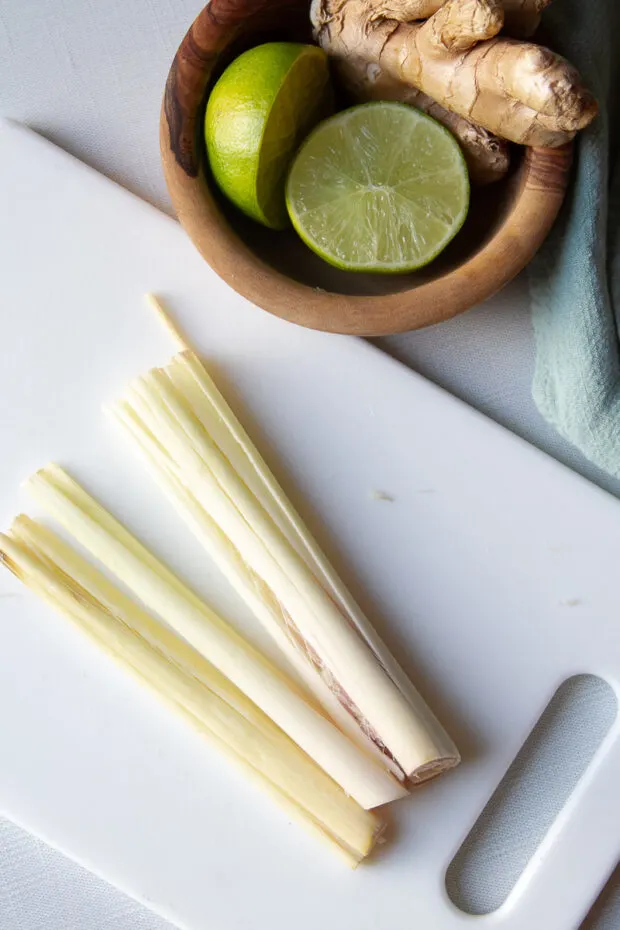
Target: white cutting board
{"type": "Point", "coordinates": [467, 570]}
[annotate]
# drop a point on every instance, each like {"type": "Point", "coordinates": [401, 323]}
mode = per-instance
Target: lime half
{"type": "Point", "coordinates": [259, 111]}
{"type": "Point", "coordinates": [380, 187]}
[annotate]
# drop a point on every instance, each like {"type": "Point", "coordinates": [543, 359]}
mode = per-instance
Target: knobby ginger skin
{"type": "Point", "coordinates": [517, 90]}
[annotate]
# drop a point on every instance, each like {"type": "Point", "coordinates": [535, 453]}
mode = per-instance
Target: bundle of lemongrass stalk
{"type": "Point", "coordinates": [356, 733]}
{"type": "Point", "coordinates": [205, 462]}
{"type": "Point", "coordinates": [191, 684]}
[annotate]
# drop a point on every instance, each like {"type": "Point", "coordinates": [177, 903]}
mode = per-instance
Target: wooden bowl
{"type": "Point", "coordinates": [507, 221]}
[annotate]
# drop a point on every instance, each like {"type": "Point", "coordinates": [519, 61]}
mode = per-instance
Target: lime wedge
{"type": "Point", "coordinates": [380, 187]}
{"type": "Point", "coordinates": [259, 111]}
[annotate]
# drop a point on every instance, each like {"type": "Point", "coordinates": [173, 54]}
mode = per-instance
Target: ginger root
{"type": "Point", "coordinates": [521, 17]}
{"type": "Point", "coordinates": [487, 156]}
{"type": "Point", "coordinates": [517, 90]}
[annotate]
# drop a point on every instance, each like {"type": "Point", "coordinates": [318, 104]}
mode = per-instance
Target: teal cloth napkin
{"type": "Point", "coordinates": [575, 278]}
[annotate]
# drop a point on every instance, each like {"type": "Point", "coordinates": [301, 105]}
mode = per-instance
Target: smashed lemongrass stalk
{"type": "Point", "coordinates": [187, 681]}
{"type": "Point", "coordinates": [163, 593]}
{"type": "Point", "coordinates": [202, 457]}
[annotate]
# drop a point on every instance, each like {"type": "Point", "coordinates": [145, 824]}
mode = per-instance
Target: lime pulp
{"type": "Point", "coordinates": [378, 188]}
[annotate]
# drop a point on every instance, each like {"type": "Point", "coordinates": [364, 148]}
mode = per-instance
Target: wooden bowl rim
{"type": "Point", "coordinates": [542, 182]}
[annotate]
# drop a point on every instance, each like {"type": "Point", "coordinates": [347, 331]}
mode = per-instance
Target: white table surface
{"type": "Point", "coordinates": [89, 74]}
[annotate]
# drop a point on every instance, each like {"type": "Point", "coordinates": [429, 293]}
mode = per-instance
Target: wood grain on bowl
{"type": "Point", "coordinates": [506, 226]}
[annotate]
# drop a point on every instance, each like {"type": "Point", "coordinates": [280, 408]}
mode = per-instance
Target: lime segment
{"type": "Point", "coordinates": [379, 188]}
{"type": "Point", "coordinates": [259, 111]}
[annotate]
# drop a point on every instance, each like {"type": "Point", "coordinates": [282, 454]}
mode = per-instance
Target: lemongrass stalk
{"type": "Point", "coordinates": [222, 424]}
{"type": "Point", "coordinates": [189, 432]}
{"type": "Point", "coordinates": [189, 683]}
{"type": "Point", "coordinates": [249, 585]}
{"type": "Point", "coordinates": [259, 544]}
{"type": "Point", "coordinates": [162, 592]}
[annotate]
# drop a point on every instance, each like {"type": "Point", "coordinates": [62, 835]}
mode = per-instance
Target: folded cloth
{"type": "Point", "coordinates": [575, 278]}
